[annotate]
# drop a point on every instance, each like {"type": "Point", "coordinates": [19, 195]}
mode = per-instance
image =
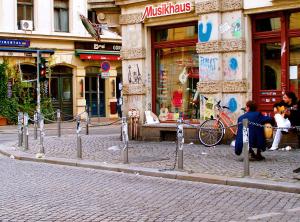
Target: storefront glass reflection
{"type": "Point", "coordinates": [271, 66]}
{"type": "Point", "coordinates": [176, 78]}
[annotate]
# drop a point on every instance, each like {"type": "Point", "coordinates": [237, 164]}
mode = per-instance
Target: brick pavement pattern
{"type": "Point", "coordinates": [219, 160]}
{"type": "Point", "coordinates": [43, 192]}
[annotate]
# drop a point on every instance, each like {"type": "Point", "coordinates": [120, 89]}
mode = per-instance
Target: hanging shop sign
{"type": "Point", "coordinates": [166, 9]}
{"type": "Point", "coordinates": [14, 43]}
{"type": "Point", "coordinates": [98, 46]}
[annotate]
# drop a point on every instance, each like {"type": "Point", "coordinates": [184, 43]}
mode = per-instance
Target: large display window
{"type": "Point", "coordinates": [176, 73]}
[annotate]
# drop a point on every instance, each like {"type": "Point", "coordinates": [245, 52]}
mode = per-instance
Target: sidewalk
{"type": "Point", "coordinates": [213, 165]}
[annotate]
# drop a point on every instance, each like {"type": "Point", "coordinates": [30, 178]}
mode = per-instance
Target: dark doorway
{"type": "Point", "coordinates": [61, 90]}
{"type": "Point", "coordinates": [95, 92]}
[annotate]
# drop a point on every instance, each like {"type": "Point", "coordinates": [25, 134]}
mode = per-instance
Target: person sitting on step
{"type": "Point", "coordinates": [284, 116]}
{"type": "Point", "coordinates": [256, 132]}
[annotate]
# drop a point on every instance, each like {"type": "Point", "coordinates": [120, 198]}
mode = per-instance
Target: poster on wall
{"type": "Point", "coordinates": [293, 72]}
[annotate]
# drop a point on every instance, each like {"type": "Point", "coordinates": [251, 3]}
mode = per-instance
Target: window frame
{"type": "Point", "coordinates": [24, 6]}
{"type": "Point", "coordinates": [60, 11]}
{"type": "Point", "coordinates": [166, 44]}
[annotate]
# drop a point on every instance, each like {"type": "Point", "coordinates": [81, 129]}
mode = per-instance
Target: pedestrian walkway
{"type": "Point", "coordinates": [213, 163]}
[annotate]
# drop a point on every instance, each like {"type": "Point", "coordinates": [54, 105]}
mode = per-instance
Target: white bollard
{"type": "Point", "coordinates": [20, 128]}
{"type": "Point", "coordinates": [125, 139]}
{"type": "Point", "coordinates": [180, 141]}
{"type": "Point", "coordinates": [26, 132]}
{"type": "Point", "coordinates": [246, 147]}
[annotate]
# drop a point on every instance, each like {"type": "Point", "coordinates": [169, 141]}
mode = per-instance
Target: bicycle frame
{"type": "Point", "coordinates": [226, 120]}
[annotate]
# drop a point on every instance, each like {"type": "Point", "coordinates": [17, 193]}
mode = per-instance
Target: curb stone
{"type": "Point", "coordinates": [246, 182]}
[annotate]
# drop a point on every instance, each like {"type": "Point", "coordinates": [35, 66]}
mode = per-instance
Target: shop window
{"type": "Point", "coordinates": [92, 16]}
{"type": "Point", "coordinates": [267, 24]}
{"type": "Point", "coordinates": [270, 65]}
{"type": "Point", "coordinates": [29, 73]}
{"type": "Point", "coordinates": [178, 33]}
{"type": "Point", "coordinates": [61, 15]}
{"type": "Point", "coordinates": [295, 20]}
{"type": "Point", "coordinates": [25, 11]}
{"type": "Point", "coordinates": [294, 66]}
{"type": "Point", "coordinates": [176, 78]}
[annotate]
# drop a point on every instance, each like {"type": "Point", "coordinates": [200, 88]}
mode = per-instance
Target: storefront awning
{"type": "Point", "coordinates": [25, 52]}
{"type": "Point", "coordinates": [98, 55]}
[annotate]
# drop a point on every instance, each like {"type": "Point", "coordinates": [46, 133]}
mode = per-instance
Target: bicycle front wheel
{"type": "Point", "coordinates": [211, 132]}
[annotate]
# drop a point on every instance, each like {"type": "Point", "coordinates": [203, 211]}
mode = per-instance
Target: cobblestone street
{"type": "Point", "coordinates": [219, 160]}
{"type": "Point", "coordinates": [43, 192]}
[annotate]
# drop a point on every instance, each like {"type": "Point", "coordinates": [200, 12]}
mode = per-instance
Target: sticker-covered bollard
{"type": "Point", "coordinates": [42, 134]}
{"type": "Point", "coordinates": [26, 132]}
{"type": "Point", "coordinates": [246, 147]}
{"type": "Point", "coordinates": [125, 139]}
{"type": "Point", "coordinates": [20, 129]}
{"type": "Point", "coordinates": [58, 117]}
{"type": "Point", "coordinates": [79, 143]}
{"type": "Point", "coordinates": [180, 142]}
{"type": "Point", "coordinates": [35, 125]}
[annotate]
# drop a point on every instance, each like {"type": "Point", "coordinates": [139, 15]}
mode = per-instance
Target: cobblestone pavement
{"type": "Point", "coordinates": [44, 192]}
{"type": "Point", "coordinates": [219, 160]}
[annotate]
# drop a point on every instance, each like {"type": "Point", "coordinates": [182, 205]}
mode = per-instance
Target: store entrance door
{"type": "Point", "coordinates": [61, 95]}
{"type": "Point", "coordinates": [267, 77]}
{"type": "Point", "coordinates": [61, 90]}
{"type": "Point", "coordinates": [95, 95]}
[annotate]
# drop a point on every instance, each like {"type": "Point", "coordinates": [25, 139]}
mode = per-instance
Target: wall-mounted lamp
{"type": "Point", "coordinates": [81, 88]}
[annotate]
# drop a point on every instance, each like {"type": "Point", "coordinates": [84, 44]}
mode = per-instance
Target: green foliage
{"type": "Point", "coordinates": [22, 98]}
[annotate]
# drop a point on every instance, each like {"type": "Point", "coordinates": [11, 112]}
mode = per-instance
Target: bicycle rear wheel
{"type": "Point", "coordinates": [211, 132]}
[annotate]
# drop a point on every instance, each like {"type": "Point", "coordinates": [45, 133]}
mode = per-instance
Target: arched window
{"type": "Point", "coordinates": [60, 69]}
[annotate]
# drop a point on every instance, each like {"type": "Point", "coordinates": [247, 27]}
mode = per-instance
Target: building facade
{"type": "Point", "coordinates": [184, 56]}
{"type": "Point", "coordinates": [184, 52]}
{"type": "Point", "coordinates": [84, 72]}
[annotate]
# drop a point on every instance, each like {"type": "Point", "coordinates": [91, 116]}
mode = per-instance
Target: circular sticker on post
{"type": "Point", "coordinates": [105, 66]}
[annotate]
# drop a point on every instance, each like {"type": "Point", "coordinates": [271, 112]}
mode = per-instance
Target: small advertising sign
{"type": "Point", "coordinates": [105, 75]}
{"type": "Point", "coordinates": [14, 43]}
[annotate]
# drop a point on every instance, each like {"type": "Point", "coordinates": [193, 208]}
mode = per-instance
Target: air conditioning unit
{"type": "Point", "coordinates": [26, 25]}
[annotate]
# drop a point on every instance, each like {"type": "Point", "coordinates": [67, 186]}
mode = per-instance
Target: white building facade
{"type": "Point", "coordinates": [55, 27]}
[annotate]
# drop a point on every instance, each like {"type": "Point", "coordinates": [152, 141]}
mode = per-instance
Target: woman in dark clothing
{"type": "Point", "coordinates": [256, 133]}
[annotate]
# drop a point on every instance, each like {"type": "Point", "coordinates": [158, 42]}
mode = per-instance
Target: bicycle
{"type": "Point", "coordinates": [212, 131]}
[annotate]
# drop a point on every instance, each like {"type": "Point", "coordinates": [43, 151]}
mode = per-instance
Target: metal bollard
{"type": "Point", "coordinates": [125, 140]}
{"type": "Point", "coordinates": [42, 134]}
{"type": "Point", "coordinates": [180, 141]}
{"type": "Point", "coordinates": [87, 124]}
{"type": "Point", "coordinates": [58, 116]}
{"type": "Point", "coordinates": [246, 147]}
{"type": "Point", "coordinates": [20, 129]}
{"type": "Point", "coordinates": [35, 125]}
{"type": "Point", "coordinates": [26, 132]}
{"type": "Point", "coordinates": [79, 142]}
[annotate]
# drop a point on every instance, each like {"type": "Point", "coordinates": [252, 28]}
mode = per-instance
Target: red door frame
{"type": "Point", "coordinates": [270, 36]}
{"type": "Point", "coordinates": [257, 96]}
